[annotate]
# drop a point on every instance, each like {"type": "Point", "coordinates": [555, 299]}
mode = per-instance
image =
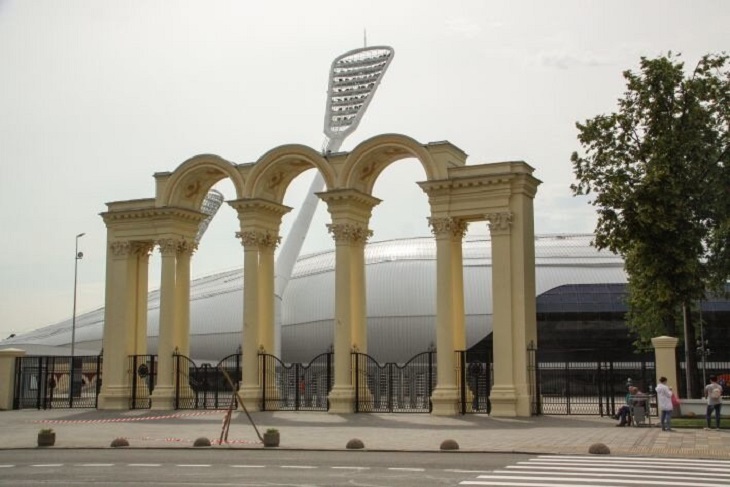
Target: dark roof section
{"type": "Point", "coordinates": [583, 298]}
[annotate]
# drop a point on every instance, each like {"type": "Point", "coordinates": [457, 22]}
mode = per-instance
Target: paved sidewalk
{"type": "Point", "coordinates": [390, 432]}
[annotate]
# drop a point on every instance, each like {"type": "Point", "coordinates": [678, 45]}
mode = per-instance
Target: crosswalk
{"type": "Point", "coordinates": [609, 471]}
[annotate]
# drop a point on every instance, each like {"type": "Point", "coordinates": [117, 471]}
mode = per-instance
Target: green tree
{"type": "Point", "coordinates": [658, 173]}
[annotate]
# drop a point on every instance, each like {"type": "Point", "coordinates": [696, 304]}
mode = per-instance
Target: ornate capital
{"type": "Point", "coordinates": [120, 248]}
{"type": "Point", "coordinates": [349, 232]}
{"type": "Point", "coordinates": [142, 249]}
{"type": "Point", "coordinates": [449, 225]}
{"type": "Point", "coordinates": [173, 246]}
{"type": "Point", "coordinates": [258, 238]}
{"type": "Point", "coordinates": [499, 223]}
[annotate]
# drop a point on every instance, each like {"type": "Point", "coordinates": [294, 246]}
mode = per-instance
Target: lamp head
{"type": "Point", "coordinates": [80, 255]}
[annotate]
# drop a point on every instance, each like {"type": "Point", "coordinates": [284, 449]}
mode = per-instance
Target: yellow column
{"type": "Point", "coordinates": [250, 389]}
{"type": "Point", "coordinates": [182, 298]}
{"type": "Point", "coordinates": [503, 395]}
{"type": "Point", "coordinates": [666, 360]}
{"type": "Point", "coordinates": [143, 250]}
{"type": "Point", "coordinates": [445, 397]}
{"type": "Point", "coordinates": [267, 243]}
{"type": "Point", "coordinates": [524, 308]}
{"type": "Point", "coordinates": [119, 339]}
{"type": "Point", "coordinates": [342, 396]}
{"type": "Point", "coordinates": [163, 396]}
{"type": "Point", "coordinates": [457, 266]}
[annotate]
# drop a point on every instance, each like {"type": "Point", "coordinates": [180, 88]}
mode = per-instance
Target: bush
{"type": "Point", "coordinates": [119, 442]}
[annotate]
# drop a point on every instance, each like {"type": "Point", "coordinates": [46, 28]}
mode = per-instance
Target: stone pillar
{"type": "Point", "coordinates": [267, 323]}
{"type": "Point", "coordinates": [349, 310]}
{"type": "Point", "coordinates": [182, 297]}
{"type": "Point", "coordinates": [445, 397]}
{"type": "Point", "coordinates": [7, 376]}
{"type": "Point", "coordinates": [260, 220]}
{"type": "Point", "coordinates": [163, 396]}
{"type": "Point", "coordinates": [665, 352]}
{"type": "Point", "coordinates": [143, 251]}
{"type": "Point", "coordinates": [120, 313]}
{"type": "Point", "coordinates": [351, 211]}
{"type": "Point", "coordinates": [503, 395]}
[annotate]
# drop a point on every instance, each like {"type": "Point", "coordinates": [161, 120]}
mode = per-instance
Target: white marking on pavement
{"type": "Point", "coordinates": [6, 466]}
{"type": "Point", "coordinates": [405, 469]}
{"type": "Point", "coordinates": [582, 474]}
{"type": "Point", "coordinates": [191, 465]}
{"type": "Point", "coordinates": [456, 470]}
{"type": "Point", "coordinates": [298, 466]}
{"type": "Point", "coordinates": [48, 465]}
{"type": "Point", "coordinates": [587, 468]}
{"type": "Point", "coordinates": [641, 460]}
{"type": "Point", "coordinates": [144, 465]}
{"type": "Point", "coordinates": [94, 465]}
{"type": "Point", "coordinates": [248, 466]}
{"type": "Point", "coordinates": [643, 481]}
{"type": "Point", "coordinates": [351, 468]}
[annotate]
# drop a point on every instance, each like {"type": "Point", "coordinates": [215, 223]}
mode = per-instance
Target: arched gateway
{"type": "Point", "coordinates": [501, 194]}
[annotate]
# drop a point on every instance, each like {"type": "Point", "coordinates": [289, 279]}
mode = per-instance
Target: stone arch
{"type": "Point", "coordinates": [365, 163]}
{"type": "Point", "coordinates": [188, 184]}
{"type": "Point", "coordinates": [272, 173]}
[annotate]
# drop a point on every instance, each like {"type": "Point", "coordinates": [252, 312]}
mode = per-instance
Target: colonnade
{"type": "Point", "coordinates": [499, 195]}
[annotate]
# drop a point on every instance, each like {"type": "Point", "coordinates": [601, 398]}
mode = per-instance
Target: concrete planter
{"type": "Point", "coordinates": [696, 406]}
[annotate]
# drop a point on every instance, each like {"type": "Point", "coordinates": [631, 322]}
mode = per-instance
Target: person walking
{"type": "Point", "coordinates": [713, 393]}
{"type": "Point", "coordinates": [664, 401]}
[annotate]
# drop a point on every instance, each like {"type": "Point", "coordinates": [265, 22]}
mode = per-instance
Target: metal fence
{"type": "Point", "coordinates": [205, 386]}
{"type": "Point", "coordinates": [392, 387]}
{"type": "Point", "coordinates": [57, 382]}
{"type": "Point", "coordinates": [142, 380]}
{"type": "Point", "coordinates": [586, 387]}
{"type": "Point", "coordinates": [296, 386]}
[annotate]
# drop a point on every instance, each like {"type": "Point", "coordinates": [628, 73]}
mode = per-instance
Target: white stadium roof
{"type": "Point", "coordinates": [401, 287]}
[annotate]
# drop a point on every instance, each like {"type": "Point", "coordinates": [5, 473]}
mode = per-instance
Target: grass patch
{"type": "Point", "coordinates": [699, 422]}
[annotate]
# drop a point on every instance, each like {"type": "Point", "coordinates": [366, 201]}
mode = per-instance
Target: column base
{"type": "Point", "coordinates": [445, 401]}
{"type": "Point", "coordinates": [504, 401]}
{"type": "Point", "coordinates": [114, 398]}
{"type": "Point", "coordinates": [163, 398]}
{"type": "Point", "coordinates": [342, 400]}
{"type": "Point", "coordinates": [251, 397]}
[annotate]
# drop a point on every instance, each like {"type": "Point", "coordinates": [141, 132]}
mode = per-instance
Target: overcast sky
{"type": "Point", "coordinates": [98, 95]}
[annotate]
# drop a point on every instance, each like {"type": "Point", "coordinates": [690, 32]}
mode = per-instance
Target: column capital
{"type": "Point", "coordinates": [120, 248]}
{"type": "Point", "coordinates": [499, 222]}
{"type": "Point", "coordinates": [349, 232]}
{"type": "Point", "coordinates": [448, 226]}
{"type": "Point", "coordinates": [173, 246]}
{"type": "Point", "coordinates": [259, 238]}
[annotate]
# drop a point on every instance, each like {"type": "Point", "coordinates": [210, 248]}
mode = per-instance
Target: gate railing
{"type": "Point", "coordinates": [393, 387]}
{"type": "Point", "coordinates": [143, 377]}
{"type": "Point", "coordinates": [296, 386]}
{"type": "Point", "coordinates": [57, 382]}
{"type": "Point", "coordinates": [586, 387]}
{"type": "Point", "coordinates": [475, 375]}
{"type": "Point", "coordinates": [204, 386]}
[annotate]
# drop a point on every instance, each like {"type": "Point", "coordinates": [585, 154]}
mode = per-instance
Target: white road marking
{"type": "Point", "coordinates": [404, 469]}
{"type": "Point", "coordinates": [6, 466]}
{"type": "Point", "coordinates": [144, 465]}
{"type": "Point", "coordinates": [248, 466]}
{"type": "Point", "coordinates": [48, 465]}
{"type": "Point", "coordinates": [298, 466]}
{"type": "Point", "coordinates": [94, 465]}
{"type": "Point", "coordinates": [351, 468]}
{"type": "Point", "coordinates": [191, 465]}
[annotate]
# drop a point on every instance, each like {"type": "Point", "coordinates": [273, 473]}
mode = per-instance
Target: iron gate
{"type": "Point", "coordinates": [393, 387]}
{"type": "Point", "coordinates": [205, 386]}
{"type": "Point", "coordinates": [475, 377]}
{"type": "Point", "coordinates": [586, 387]}
{"type": "Point", "coordinates": [143, 377]}
{"type": "Point", "coordinates": [296, 387]}
{"type": "Point", "coordinates": [57, 382]}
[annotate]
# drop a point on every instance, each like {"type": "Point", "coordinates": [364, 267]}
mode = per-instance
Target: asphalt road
{"type": "Point", "coordinates": [218, 467]}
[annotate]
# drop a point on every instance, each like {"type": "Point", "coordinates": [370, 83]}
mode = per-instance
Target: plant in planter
{"type": "Point", "coordinates": [271, 437]}
{"type": "Point", "coordinates": [46, 437]}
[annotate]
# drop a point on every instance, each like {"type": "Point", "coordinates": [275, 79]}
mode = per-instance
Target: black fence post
{"type": "Point", "coordinates": [461, 355]}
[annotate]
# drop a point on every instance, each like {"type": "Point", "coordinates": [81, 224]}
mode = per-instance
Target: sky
{"type": "Point", "coordinates": [98, 95]}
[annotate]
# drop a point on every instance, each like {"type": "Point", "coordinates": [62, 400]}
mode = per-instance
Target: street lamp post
{"type": "Point", "coordinates": [74, 382]}
{"type": "Point", "coordinates": [77, 256]}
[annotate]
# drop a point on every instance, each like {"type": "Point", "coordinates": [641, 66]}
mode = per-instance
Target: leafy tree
{"type": "Point", "coordinates": [658, 169]}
